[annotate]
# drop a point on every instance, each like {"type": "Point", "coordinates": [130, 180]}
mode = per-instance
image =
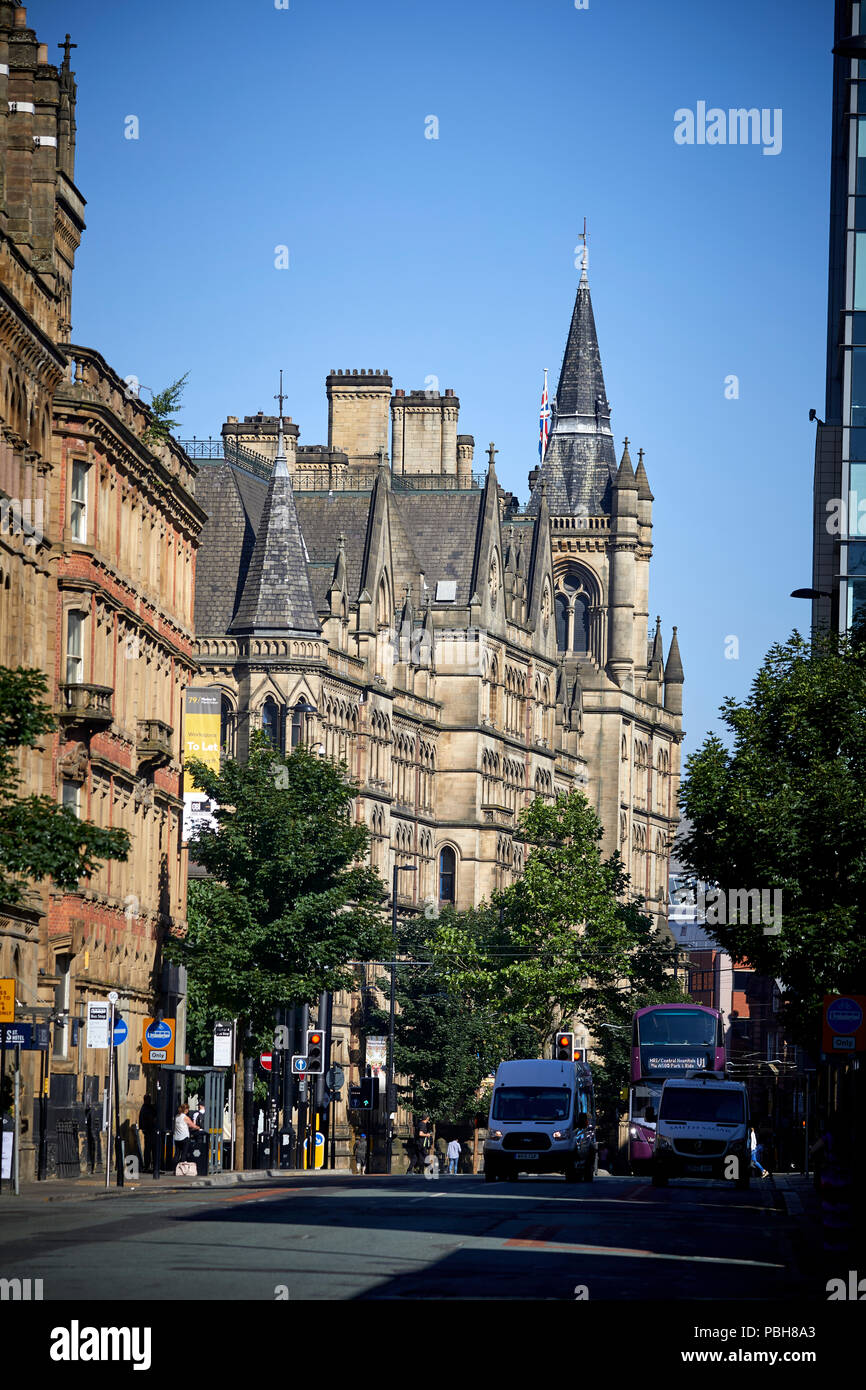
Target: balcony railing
{"type": "Point", "coordinates": [85, 704]}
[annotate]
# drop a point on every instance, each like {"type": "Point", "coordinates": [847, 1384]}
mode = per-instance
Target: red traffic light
{"type": "Point", "coordinates": [315, 1039]}
{"type": "Point", "coordinates": [565, 1040]}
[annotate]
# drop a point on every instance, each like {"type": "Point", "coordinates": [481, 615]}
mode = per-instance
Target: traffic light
{"type": "Point", "coordinates": [580, 1054]}
{"type": "Point", "coordinates": [563, 1047]}
{"type": "Point", "coordinates": [315, 1052]}
{"type": "Point", "coordinates": [354, 1097]}
{"type": "Point", "coordinates": [369, 1092]}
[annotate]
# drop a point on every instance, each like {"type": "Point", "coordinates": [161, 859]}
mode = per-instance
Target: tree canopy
{"type": "Point", "coordinates": [564, 942]}
{"type": "Point", "coordinates": [39, 838]}
{"type": "Point", "coordinates": [288, 902]}
{"type": "Point", "coordinates": [784, 807]}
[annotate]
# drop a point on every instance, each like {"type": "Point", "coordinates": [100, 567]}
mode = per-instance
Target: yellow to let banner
{"type": "Point", "coordinates": [202, 727]}
{"type": "Point", "coordinates": [7, 1001]}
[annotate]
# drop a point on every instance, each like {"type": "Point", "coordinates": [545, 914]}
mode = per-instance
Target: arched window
{"type": "Point", "coordinates": [580, 638]}
{"type": "Point", "coordinates": [272, 721]}
{"type": "Point", "coordinates": [228, 725]}
{"type": "Point", "coordinates": [447, 875]}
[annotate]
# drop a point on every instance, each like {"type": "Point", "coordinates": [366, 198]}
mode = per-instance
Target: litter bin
{"type": "Point", "coordinates": [198, 1153]}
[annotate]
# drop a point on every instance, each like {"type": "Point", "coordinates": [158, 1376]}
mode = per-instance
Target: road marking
{"type": "Point", "coordinates": [533, 1238]}
{"type": "Point", "coordinates": [620, 1252]}
{"type": "Point", "coordinates": [261, 1193]}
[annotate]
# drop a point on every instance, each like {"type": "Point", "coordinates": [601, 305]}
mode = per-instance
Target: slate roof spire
{"type": "Point", "coordinates": [580, 463]}
{"type": "Point", "coordinates": [277, 597]}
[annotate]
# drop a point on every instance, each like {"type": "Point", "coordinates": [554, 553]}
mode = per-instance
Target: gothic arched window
{"type": "Point", "coordinates": [447, 875]}
{"type": "Point", "coordinates": [272, 721]}
{"type": "Point", "coordinates": [580, 636]}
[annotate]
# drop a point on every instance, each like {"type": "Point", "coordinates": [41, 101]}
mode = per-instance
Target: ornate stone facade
{"type": "Point", "coordinates": [462, 654]}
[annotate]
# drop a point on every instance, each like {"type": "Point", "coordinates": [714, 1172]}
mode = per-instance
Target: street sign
{"type": "Point", "coordinates": [844, 1028]}
{"type": "Point", "coordinates": [334, 1079]}
{"type": "Point", "coordinates": [158, 1042]}
{"type": "Point", "coordinates": [222, 1044]}
{"type": "Point", "coordinates": [7, 1001]}
{"type": "Point", "coordinates": [22, 1035]}
{"type": "Point", "coordinates": [266, 1060]}
{"type": "Point", "coordinates": [121, 1032]}
{"type": "Point", "coordinates": [97, 1025]}
{"type": "Point", "coordinates": [113, 996]}
{"type": "Point", "coordinates": [299, 1065]}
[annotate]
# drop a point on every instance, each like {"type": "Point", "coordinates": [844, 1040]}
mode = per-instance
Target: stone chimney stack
{"type": "Point", "coordinates": [465, 455]}
{"type": "Point", "coordinates": [358, 415]}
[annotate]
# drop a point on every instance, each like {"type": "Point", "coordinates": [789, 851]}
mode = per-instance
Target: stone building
{"type": "Point", "coordinates": [99, 527]}
{"type": "Point", "coordinates": [463, 653]}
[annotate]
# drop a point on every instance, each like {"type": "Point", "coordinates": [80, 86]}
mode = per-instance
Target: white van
{"type": "Point", "coordinates": [542, 1120]}
{"type": "Point", "coordinates": [703, 1120]}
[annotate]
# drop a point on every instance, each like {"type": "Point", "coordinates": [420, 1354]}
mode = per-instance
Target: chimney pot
{"type": "Point", "coordinates": [20, 20]}
{"type": "Point", "coordinates": [42, 53]}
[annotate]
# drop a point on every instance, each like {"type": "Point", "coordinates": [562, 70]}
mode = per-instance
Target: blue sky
{"type": "Point", "coordinates": [454, 258]}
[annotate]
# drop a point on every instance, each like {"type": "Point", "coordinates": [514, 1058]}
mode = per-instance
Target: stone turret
{"type": "Point", "coordinates": [674, 678]}
{"type": "Point", "coordinates": [623, 543]}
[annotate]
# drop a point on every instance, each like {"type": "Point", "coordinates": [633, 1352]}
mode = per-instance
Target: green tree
{"type": "Point", "coordinates": [446, 1041]}
{"type": "Point", "coordinates": [162, 407]}
{"type": "Point", "coordinates": [40, 839]}
{"type": "Point", "coordinates": [288, 901]}
{"type": "Point", "coordinates": [564, 942]}
{"type": "Point", "coordinates": [784, 807]}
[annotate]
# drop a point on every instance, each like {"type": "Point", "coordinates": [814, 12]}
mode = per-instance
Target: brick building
{"type": "Point", "coordinates": [97, 564]}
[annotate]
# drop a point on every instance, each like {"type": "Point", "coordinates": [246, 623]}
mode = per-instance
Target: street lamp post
{"type": "Point", "coordinates": [389, 1096]}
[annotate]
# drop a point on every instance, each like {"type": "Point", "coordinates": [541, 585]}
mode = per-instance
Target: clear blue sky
{"type": "Point", "coordinates": [454, 257]}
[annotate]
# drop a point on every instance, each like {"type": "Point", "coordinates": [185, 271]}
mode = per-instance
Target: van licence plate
{"type": "Point", "coordinates": [529, 1155]}
{"type": "Point", "coordinates": [699, 1167]}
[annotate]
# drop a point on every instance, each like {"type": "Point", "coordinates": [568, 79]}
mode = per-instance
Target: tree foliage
{"type": "Point", "coordinates": [785, 807]}
{"type": "Point", "coordinates": [288, 901]}
{"type": "Point", "coordinates": [563, 943]}
{"type": "Point", "coordinates": [39, 838]}
{"type": "Point", "coordinates": [162, 407]}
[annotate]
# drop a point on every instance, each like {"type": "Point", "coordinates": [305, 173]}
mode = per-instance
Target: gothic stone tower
{"type": "Point", "coordinates": [601, 537]}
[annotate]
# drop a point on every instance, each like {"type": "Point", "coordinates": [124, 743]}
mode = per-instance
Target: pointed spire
{"type": "Point", "coordinates": [338, 579]}
{"type": "Point", "coordinates": [492, 451]}
{"type": "Point", "coordinates": [625, 477]}
{"type": "Point", "coordinates": [673, 665]}
{"type": "Point", "coordinates": [643, 487]}
{"type": "Point", "coordinates": [579, 464]}
{"type": "Point", "coordinates": [656, 664]}
{"type": "Point", "coordinates": [277, 596]}
{"type": "Point", "coordinates": [581, 390]}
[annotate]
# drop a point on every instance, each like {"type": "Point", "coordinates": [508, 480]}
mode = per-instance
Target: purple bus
{"type": "Point", "coordinates": [667, 1040]}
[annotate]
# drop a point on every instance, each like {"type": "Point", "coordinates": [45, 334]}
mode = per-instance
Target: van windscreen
{"type": "Point", "coordinates": [531, 1103]}
{"type": "Point", "coordinates": [702, 1104]}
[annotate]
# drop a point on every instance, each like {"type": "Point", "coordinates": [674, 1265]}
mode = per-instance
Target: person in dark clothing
{"type": "Point", "coordinates": [147, 1129]}
{"type": "Point", "coordinates": [360, 1152]}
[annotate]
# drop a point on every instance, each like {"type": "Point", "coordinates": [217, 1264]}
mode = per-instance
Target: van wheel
{"type": "Point", "coordinates": [490, 1173]}
{"type": "Point", "coordinates": [659, 1179]}
{"type": "Point", "coordinates": [572, 1172]}
{"type": "Point", "coordinates": [743, 1182]}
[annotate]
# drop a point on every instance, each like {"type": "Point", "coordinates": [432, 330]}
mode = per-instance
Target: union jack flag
{"type": "Point", "coordinates": [544, 421]}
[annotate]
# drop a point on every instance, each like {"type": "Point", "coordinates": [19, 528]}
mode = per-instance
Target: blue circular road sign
{"type": "Point", "coordinates": [159, 1034]}
{"type": "Point", "coordinates": [121, 1032]}
{"type": "Point", "coordinates": [844, 1015]}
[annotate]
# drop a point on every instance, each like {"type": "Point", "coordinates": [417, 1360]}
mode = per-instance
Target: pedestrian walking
{"type": "Point", "coordinates": [146, 1128]}
{"type": "Point", "coordinates": [757, 1154]}
{"type": "Point", "coordinates": [441, 1153]}
{"type": "Point", "coordinates": [183, 1130]}
{"type": "Point", "coordinates": [453, 1156]}
{"type": "Point", "coordinates": [360, 1154]}
{"type": "Point", "coordinates": [200, 1116]}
